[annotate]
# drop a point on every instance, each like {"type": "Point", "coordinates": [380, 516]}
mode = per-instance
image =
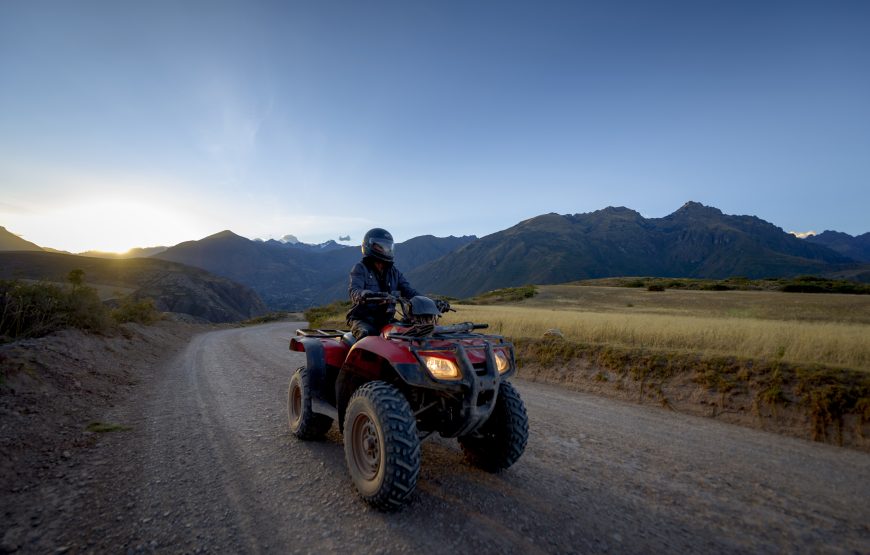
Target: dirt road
{"type": "Point", "coordinates": [209, 466]}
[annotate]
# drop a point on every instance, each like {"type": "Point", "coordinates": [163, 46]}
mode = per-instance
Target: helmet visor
{"type": "Point", "coordinates": [381, 248]}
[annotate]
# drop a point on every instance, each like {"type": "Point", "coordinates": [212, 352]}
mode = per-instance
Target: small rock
{"type": "Point", "coordinates": [66, 455]}
{"type": "Point", "coordinates": [554, 332]}
{"type": "Point", "coordinates": [12, 540]}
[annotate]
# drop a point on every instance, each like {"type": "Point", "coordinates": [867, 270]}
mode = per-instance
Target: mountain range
{"type": "Point", "coordinates": [857, 248]}
{"type": "Point", "coordinates": [694, 241]}
{"type": "Point", "coordinates": [290, 277]}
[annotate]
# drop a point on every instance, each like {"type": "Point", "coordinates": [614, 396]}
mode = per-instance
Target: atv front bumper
{"type": "Point", "coordinates": [475, 391]}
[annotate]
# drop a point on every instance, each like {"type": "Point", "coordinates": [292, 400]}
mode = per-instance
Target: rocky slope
{"type": "Point", "coordinates": [174, 287]}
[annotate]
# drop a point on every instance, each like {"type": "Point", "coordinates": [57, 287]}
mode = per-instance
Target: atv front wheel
{"type": "Point", "coordinates": [381, 446]}
{"type": "Point", "coordinates": [501, 440]}
{"type": "Point", "coordinates": [304, 423]}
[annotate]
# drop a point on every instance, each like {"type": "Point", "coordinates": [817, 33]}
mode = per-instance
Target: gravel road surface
{"type": "Point", "coordinates": [210, 466]}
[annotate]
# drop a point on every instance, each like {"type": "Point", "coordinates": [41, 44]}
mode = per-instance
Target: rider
{"type": "Point", "coordinates": [374, 274]}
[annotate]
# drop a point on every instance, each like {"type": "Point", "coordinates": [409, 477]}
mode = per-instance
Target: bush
{"type": "Point", "coordinates": [84, 310]}
{"type": "Point", "coordinates": [506, 295]}
{"type": "Point", "coordinates": [131, 310]}
{"type": "Point", "coordinates": [334, 312]}
{"type": "Point", "coordinates": [29, 310]}
{"type": "Point", "coordinates": [715, 287]}
{"type": "Point", "coordinates": [655, 287]}
{"type": "Point", "coordinates": [812, 284]}
{"type": "Point", "coordinates": [37, 309]}
{"type": "Point", "coordinates": [267, 318]}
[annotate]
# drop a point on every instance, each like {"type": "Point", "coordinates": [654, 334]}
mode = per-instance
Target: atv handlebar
{"type": "Point", "coordinates": [464, 327]}
{"type": "Point", "coordinates": [380, 297]}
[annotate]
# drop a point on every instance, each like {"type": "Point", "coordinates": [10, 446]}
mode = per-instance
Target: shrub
{"type": "Point", "coordinates": [715, 287]}
{"type": "Point", "coordinates": [811, 284]}
{"type": "Point", "coordinates": [29, 310]}
{"type": "Point", "coordinates": [37, 309]}
{"type": "Point", "coordinates": [267, 318]}
{"type": "Point", "coordinates": [139, 311]}
{"type": "Point", "coordinates": [333, 312]}
{"type": "Point", "coordinates": [505, 295]}
{"type": "Point", "coordinates": [655, 287]}
{"type": "Point", "coordinates": [85, 310]}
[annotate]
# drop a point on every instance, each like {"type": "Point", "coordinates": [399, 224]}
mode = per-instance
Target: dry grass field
{"type": "Point", "coordinates": [792, 363]}
{"type": "Point", "coordinates": [827, 329]}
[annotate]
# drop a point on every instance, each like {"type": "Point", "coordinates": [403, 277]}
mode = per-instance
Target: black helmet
{"type": "Point", "coordinates": [423, 310]}
{"type": "Point", "coordinates": [378, 243]}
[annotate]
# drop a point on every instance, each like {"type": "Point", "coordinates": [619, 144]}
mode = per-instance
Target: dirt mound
{"type": "Point", "coordinates": [53, 388]}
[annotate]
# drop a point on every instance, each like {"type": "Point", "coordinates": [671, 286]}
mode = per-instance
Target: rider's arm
{"type": "Point", "coordinates": [357, 283]}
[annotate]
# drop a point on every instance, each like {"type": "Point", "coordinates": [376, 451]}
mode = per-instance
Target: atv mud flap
{"type": "Point", "coordinates": [319, 383]}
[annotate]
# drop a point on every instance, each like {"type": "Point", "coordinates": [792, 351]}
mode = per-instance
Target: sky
{"type": "Point", "coordinates": [126, 124]}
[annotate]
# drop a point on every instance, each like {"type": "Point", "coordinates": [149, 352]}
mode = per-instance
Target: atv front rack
{"type": "Point", "coordinates": [480, 380]}
{"type": "Point", "coordinates": [453, 331]}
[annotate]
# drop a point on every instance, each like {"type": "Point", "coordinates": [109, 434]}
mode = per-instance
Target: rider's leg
{"type": "Point", "coordinates": [361, 328]}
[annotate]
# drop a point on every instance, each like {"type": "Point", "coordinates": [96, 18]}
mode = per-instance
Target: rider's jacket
{"type": "Point", "coordinates": [364, 277]}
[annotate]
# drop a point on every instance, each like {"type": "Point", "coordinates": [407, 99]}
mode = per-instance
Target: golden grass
{"type": "Point", "coordinates": [766, 305]}
{"type": "Point", "coordinates": [710, 323]}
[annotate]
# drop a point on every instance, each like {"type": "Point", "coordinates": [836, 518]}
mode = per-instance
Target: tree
{"type": "Point", "coordinates": [76, 277]}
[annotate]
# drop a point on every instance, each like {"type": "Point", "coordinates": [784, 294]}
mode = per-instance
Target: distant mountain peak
{"type": "Point", "coordinates": [12, 242]}
{"type": "Point", "coordinates": [618, 211]}
{"type": "Point", "coordinates": [692, 208]}
{"type": "Point", "coordinates": [225, 234]}
{"type": "Point", "coordinates": [694, 205]}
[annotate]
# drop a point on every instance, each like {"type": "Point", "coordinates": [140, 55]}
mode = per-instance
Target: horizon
{"type": "Point", "coordinates": [133, 126]}
{"type": "Point", "coordinates": [351, 242]}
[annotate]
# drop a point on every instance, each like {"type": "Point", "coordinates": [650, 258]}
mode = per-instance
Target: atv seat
{"type": "Point", "coordinates": [348, 339]}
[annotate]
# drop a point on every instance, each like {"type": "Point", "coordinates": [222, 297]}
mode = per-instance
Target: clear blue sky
{"type": "Point", "coordinates": [126, 123]}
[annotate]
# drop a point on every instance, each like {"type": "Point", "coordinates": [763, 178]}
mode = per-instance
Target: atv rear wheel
{"type": "Point", "coordinates": [381, 446]}
{"type": "Point", "coordinates": [304, 423]}
{"type": "Point", "coordinates": [501, 440]}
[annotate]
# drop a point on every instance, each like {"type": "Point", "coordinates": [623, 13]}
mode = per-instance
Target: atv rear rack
{"type": "Point", "coordinates": [320, 333]}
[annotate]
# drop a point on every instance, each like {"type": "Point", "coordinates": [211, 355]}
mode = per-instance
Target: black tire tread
{"type": "Point", "coordinates": [504, 435]}
{"type": "Point", "coordinates": [402, 445]}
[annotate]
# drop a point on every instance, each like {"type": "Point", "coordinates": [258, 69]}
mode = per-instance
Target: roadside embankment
{"type": "Point", "coordinates": [814, 402]}
{"type": "Point", "coordinates": [53, 390]}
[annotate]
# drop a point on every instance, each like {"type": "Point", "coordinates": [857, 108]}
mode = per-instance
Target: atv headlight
{"type": "Point", "coordinates": [442, 368]}
{"type": "Point", "coordinates": [502, 362]}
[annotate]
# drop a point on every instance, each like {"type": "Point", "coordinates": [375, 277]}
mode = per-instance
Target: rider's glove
{"type": "Point", "coordinates": [443, 306]}
{"type": "Point", "coordinates": [365, 294]}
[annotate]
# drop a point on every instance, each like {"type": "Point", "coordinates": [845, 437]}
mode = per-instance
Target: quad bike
{"type": "Point", "coordinates": [389, 392]}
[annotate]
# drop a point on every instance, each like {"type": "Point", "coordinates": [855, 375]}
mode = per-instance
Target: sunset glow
{"type": "Point", "coordinates": [110, 225]}
{"type": "Point", "coordinates": [132, 126]}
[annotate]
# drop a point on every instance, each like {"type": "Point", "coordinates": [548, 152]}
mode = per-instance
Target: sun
{"type": "Point", "coordinates": [116, 225]}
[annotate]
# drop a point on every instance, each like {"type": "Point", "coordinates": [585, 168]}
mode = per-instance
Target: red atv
{"type": "Point", "coordinates": [391, 391]}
